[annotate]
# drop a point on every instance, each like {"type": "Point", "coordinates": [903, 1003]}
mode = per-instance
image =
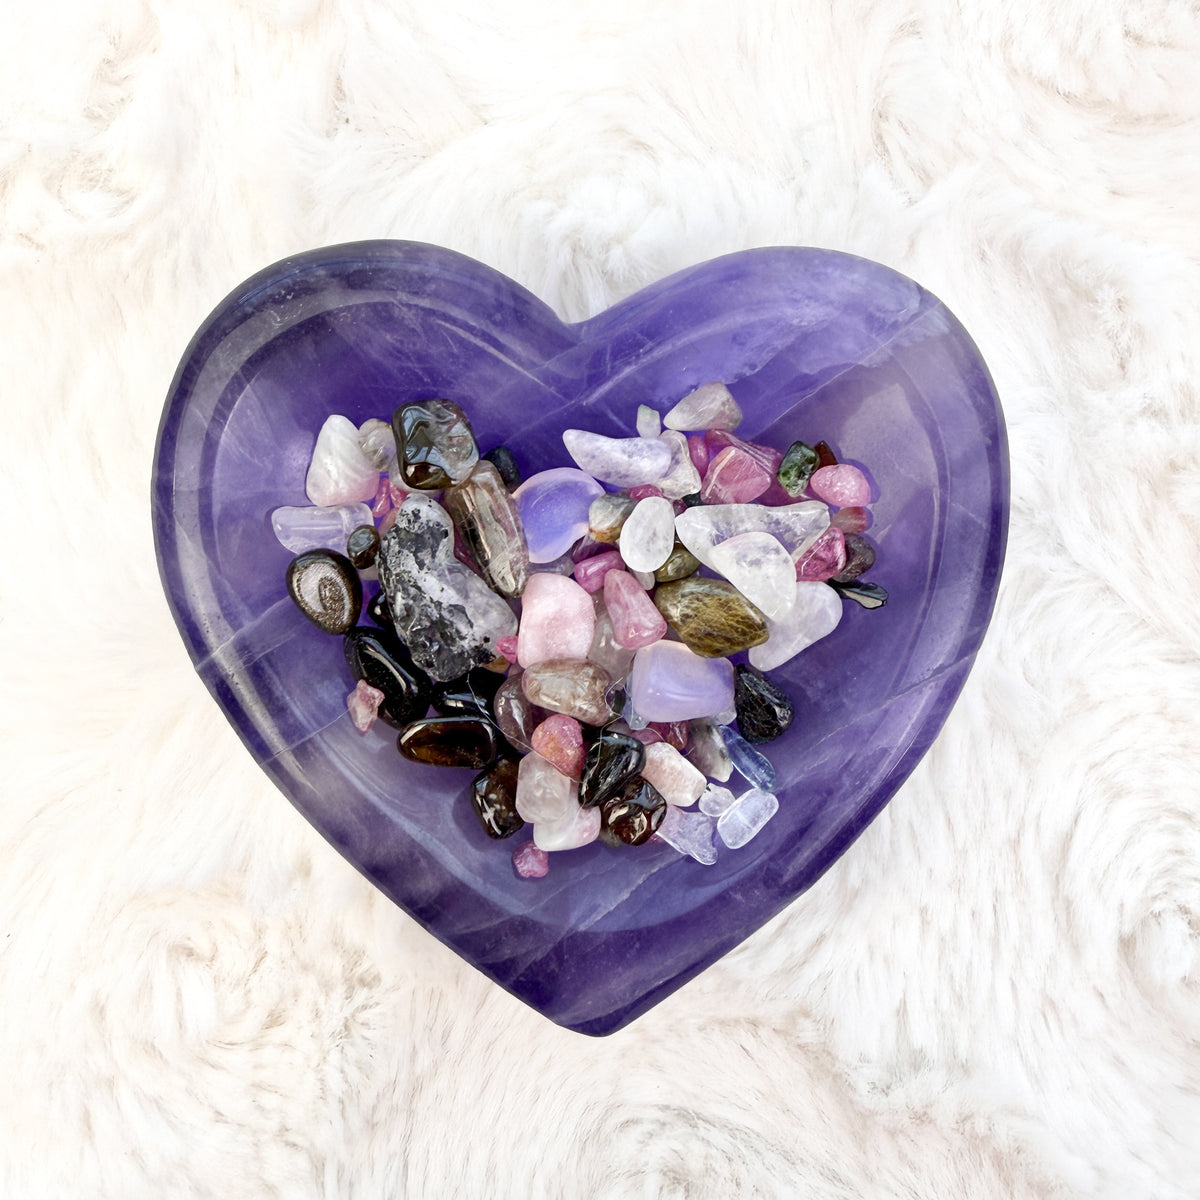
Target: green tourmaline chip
{"type": "Point", "coordinates": [797, 466]}
{"type": "Point", "coordinates": [711, 616]}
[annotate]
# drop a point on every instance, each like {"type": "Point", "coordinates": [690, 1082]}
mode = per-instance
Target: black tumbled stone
{"type": "Point", "coordinates": [362, 545]}
{"type": "Point", "coordinates": [631, 815]}
{"type": "Point", "coordinates": [505, 462]}
{"type": "Point", "coordinates": [326, 589]}
{"type": "Point", "coordinates": [379, 657]}
{"type": "Point", "coordinates": [380, 611]}
{"type": "Point", "coordinates": [868, 595]}
{"type": "Point", "coordinates": [763, 709]}
{"type": "Point", "coordinates": [494, 799]}
{"type": "Point", "coordinates": [611, 760]}
{"type": "Point", "coordinates": [450, 742]}
{"type": "Point", "coordinates": [468, 695]}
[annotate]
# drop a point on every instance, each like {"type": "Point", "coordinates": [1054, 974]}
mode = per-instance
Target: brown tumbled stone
{"type": "Point", "coordinates": [571, 686]}
{"type": "Point", "coordinates": [450, 742]}
{"type": "Point", "coordinates": [711, 616]}
{"type": "Point", "coordinates": [681, 563]}
{"type": "Point", "coordinates": [494, 799]}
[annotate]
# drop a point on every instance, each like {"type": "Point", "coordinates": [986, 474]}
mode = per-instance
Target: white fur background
{"type": "Point", "coordinates": [996, 993]}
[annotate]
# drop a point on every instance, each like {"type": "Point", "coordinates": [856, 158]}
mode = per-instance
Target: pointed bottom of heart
{"type": "Point", "coordinates": [813, 344]}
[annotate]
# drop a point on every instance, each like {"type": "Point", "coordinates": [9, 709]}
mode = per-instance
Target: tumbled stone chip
{"type": "Point", "coordinates": [434, 443]}
{"type": "Point", "coordinates": [326, 589]}
{"type": "Point", "coordinates": [712, 617]}
{"type": "Point", "coordinates": [450, 742]}
{"type": "Point", "coordinates": [764, 710]}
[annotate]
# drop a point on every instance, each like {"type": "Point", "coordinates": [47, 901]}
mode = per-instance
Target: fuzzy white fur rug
{"type": "Point", "coordinates": [996, 992]}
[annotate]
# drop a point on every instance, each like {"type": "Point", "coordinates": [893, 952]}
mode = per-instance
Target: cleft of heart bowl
{"type": "Point", "coordinates": [813, 343]}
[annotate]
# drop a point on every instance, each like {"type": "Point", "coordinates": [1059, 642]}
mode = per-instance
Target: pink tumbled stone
{"type": "Point", "coordinates": [852, 520]}
{"type": "Point", "coordinates": [559, 740]}
{"type": "Point", "coordinates": [383, 498]}
{"type": "Point", "coordinates": [506, 647]}
{"type": "Point", "coordinates": [363, 705]}
{"type": "Point", "coordinates": [576, 829]}
{"type": "Point", "coordinates": [635, 620]}
{"type": "Point", "coordinates": [590, 573]}
{"type": "Point", "coordinates": [643, 490]}
{"type": "Point", "coordinates": [824, 558]}
{"type": "Point", "coordinates": [733, 477]}
{"type": "Point", "coordinates": [698, 449]}
{"type": "Point", "coordinates": [767, 457]}
{"type": "Point", "coordinates": [843, 485]}
{"type": "Point", "coordinates": [387, 520]}
{"type": "Point", "coordinates": [557, 620]}
{"type": "Point", "coordinates": [530, 861]}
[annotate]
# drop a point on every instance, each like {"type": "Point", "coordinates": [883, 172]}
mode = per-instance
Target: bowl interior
{"type": "Point", "coordinates": [812, 343]}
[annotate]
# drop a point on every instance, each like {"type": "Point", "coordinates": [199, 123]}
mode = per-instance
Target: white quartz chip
{"type": "Point", "coordinates": [745, 817]}
{"type": "Point", "coordinates": [711, 406]}
{"type": "Point", "coordinates": [340, 472]}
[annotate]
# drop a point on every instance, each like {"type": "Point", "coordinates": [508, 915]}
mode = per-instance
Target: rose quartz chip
{"type": "Point", "coordinates": [590, 573]}
{"type": "Point", "coordinates": [577, 828]}
{"type": "Point", "coordinates": [852, 520]}
{"type": "Point", "coordinates": [506, 647]}
{"type": "Point", "coordinates": [766, 456]}
{"type": "Point", "coordinates": [676, 779]}
{"type": "Point", "coordinates": [544, 793]}
{"type": "Point", "coordinates": [557, 620]}
{"type": "Point", "coordinates": [636, 621]}
{"type": "Point", "coordinates": [698, 449]}
{"type": "Point", "coordinates": [559, 740]}
{"type": "Point", "coordinates": [363, 705]}
{"type": "Point", "coordinates": [843, 485]}
{"type": "Point", "coordinates": [643, 490]}
{"type": "Point", "coordinates": [824, 558]}
{"type": "Point", "coordinates": [733, 477]}
{"type": "Point", "coordinates": [530, 861]}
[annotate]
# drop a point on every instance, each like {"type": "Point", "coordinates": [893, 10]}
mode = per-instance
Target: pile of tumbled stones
{"type": "Point", "coordinates": [561, 628]}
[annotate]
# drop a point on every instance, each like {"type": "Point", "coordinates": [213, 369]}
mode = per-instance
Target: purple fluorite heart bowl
{"type": "Point", "coordinates": [813, 343]}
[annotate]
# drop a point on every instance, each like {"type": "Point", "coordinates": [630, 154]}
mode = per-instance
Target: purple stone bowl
{"type": "Point", "coordinates": [813, 343]}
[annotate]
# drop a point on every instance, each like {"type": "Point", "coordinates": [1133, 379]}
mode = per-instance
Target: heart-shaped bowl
{"type": "Point", "coordinates": [814, 344]}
